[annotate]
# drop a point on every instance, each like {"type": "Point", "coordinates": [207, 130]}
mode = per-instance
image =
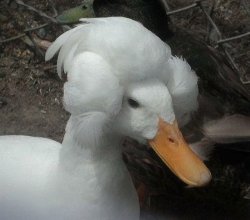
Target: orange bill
{"type": "Point", "coordinates": [171, 147]}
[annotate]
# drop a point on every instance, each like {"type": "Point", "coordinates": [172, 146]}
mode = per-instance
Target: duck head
{"type": "Point", "coordinates": [147, 115]}
{"type": "Point", "coordinates": [122, 77]}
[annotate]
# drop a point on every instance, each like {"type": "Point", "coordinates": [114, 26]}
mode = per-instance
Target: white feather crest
{"type": "Point", "coordinates": [92, 86]}
{"type": "Point", "coordinates": [66, 44]}
{"type": "Point", "coordinates": [124, 43]}
{"type": "Point", "coordinates": [181, 81]}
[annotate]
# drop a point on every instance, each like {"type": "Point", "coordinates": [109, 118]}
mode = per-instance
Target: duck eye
{"type": "Point", "coordinates": [133, 103]}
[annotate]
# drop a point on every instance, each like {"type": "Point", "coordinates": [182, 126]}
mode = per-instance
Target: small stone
{"type": "Point", "coordinates": [42, 33]}
{"type": "Point", "coordinates": [43, 112]}
{"type": "Point", "coordinates": [57, 101]}
{"type": "Point", "coordinates": [3, 102]}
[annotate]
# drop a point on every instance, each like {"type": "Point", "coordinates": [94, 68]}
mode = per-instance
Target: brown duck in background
{"type": "Point", "coordinates": [221, 92]}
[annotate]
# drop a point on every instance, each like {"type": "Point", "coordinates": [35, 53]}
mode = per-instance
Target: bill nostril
{"type": "Point", "coordinates": [171, 140]}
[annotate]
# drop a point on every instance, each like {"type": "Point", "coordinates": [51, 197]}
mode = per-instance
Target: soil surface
{"type": "Point", "coordinates": [30, 91]}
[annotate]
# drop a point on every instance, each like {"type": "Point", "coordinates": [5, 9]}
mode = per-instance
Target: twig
{"type": "Point", "coordinates": [210, 20]}
{"type": "Point", "coordinates": [42, 14]}
{"type": "Point", "coordinates": [233, 38]}
{"type": "Point", "coordinates": [49, 67]}
{"type": "Point", "coordinates": [12, 38]}
{"type": "Point", "coordinates": [36, 28]}
{"type": "Point", "coordinates": [231, 60]}
{"type": "Point", "coordinates": [165, 5]}
{"type": "Point", "coordinates": [37, 49]}
{"type": "Point", "coordinates": [182, 9]}
{"type": "Point", "coordinates": [53, 8]}
{"type": "Point", "coordinates": [23, 34]}
{"type": "Point", "coordinates": [211, 12]}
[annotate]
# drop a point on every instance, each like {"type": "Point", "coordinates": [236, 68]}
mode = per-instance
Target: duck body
{"type": "Point", "coordinates": [26, 165]}
{"type": "Point", "coordinates": [121, 81]}
{"type": "Point", "coordinates": [45, 181]}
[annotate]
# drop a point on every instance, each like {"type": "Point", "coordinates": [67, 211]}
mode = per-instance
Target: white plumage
{"type": "Point", "coordinates": [108, 61]}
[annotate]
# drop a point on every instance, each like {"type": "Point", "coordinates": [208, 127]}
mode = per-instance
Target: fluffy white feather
{"type": "Point", "coordinates": [124, 43]}
{"type": "Point", "coordinates": [182, 84]}
{"type": "Point", "coordinates": [92, 86]}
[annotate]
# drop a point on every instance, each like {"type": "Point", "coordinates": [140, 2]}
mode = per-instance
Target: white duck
{"type": "Point", "coordinates": [121, 81]}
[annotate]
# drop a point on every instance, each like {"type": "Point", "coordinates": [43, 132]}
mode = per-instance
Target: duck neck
{"type": "Point", "coordinates": [89, 139]}
{"type": "Point", "coordinates": [92, 174]}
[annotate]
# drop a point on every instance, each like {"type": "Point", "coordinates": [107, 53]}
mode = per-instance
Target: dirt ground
{"type": "Point", "coordinates": [30, 95]}
{"type": "Point", "coordinates": [31, 105]}
{"type": "Point", "coordinates": [31, 99]}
